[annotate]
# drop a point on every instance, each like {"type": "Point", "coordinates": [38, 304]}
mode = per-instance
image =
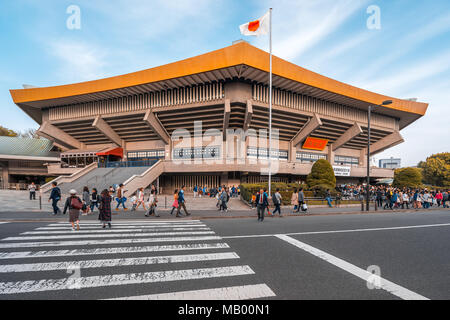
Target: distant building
{"type": "Point", "coordinates": [24, 160]}
{"type": "Point", "coordinates": [392, 163]}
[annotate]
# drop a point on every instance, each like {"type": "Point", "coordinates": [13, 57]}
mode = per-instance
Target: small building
{"type": "Point", "coordinates": [24, 160]}
{"type": "Point", "coordinates": [392, 163]}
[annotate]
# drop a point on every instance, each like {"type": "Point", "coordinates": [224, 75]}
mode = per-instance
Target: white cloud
{"type": "Point", "coordinates": [78, 61]}
{"type": "Point", "coordinates": [343, 47]}
{"type": "Point", "coordinates": [402, 44]}
{"type": "Point", "coordinates": [300, 26]}
{"type": "Point", "coordinates": [428, 135]}
{"type": "Point", "coordinates": [413, 74]}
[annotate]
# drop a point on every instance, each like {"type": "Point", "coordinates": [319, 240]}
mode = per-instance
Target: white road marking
{"type": "Point", "coordinates": [115, 227]}
{"type": "Point", "coordinates": [134, 222]}
{"type": "Point", "coordinates": [110, 235]}
{"type": "Point", "coordinates": [121, 279]}
{"type": "Point", "coordinates": [106, 231]}
{"type": "Point", "coordinates": [120, 250]}
{"type": "Point", "coordinates": [226, 293]}
{"type": "Point", "coordinates": [101, 242]}
{"type": "Point", "coordinates": [3, 222]}
{"type": "Point", "coordinates": [340, 231]}
{"type": "Point", "coordinates": [87, 264]}
{"type": "Point", "coordinates": [387, 285]}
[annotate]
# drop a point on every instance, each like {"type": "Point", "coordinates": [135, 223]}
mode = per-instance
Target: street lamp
{"type": "Point", "coordinates": [385, 103]}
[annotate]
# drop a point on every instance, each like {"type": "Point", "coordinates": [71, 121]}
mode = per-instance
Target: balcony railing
{"type": "Point", "coordinates": [127, 164]}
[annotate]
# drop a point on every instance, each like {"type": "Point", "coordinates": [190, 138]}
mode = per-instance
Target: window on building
{"type": "Point", "coordinates": [308, 157]}
{"type": "Point", "coordinates": [263, 153]}
{"type": "Point", "coordinates": [346, 161]}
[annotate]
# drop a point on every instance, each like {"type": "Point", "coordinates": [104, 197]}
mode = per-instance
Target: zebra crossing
{"type": "Point", "coordinates": [135, 260]}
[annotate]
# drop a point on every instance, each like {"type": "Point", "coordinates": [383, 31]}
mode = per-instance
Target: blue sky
{"type": "Point", "coordinates": [408, 57]}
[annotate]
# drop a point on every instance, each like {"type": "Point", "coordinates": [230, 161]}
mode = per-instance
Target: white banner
{"type": "Point", "coordinates": [342, 171]}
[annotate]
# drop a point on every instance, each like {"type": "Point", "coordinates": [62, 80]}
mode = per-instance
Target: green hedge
{"type": "Point", "coordinates": [286, 190]}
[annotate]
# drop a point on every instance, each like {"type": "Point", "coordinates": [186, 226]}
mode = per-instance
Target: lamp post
{"type": "Point", "coordinates": [369, 110]}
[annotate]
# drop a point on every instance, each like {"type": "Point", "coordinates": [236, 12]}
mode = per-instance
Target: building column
{"type": "Point", "coordinates": [292, 152]}
{"type": "Point", "coordinates": [109, 132]}
{"type": "Point", "coordinates": [330, 155]}
{"type": "Point", "coordinates": [53, 133]}
{"type": "Point", "coordinates": [226, 118]}
{"type": "Point", "coordinates": [157, 127]}
{"type": "Point", "coordinates": [306, 130]}
{"type": "Point", "coordinates": [347, 136]}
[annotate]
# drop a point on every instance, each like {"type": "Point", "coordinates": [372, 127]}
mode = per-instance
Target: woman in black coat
{"type": "Point", "coordinates": [105, 208]}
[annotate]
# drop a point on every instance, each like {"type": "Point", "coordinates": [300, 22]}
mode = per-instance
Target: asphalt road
{"type": "Point", "coordinates": [308, 257]}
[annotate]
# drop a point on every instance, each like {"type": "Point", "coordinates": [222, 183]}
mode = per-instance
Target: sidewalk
{"type": "Point", "coordinates": [21, 216]}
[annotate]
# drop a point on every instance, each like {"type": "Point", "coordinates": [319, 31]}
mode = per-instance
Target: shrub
{"type": "Point", "coordinates": [407, 177]}
{"type": "Point", "coordinates": [321, 176]}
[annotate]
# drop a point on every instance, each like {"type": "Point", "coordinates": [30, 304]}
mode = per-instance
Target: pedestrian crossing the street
{"type": "Point", "coordinates": [135, 260]}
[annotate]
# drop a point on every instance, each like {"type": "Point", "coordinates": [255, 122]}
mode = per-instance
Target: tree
{"type": "Point", "coordinates": [7, 132]}
{"type": "Point", "coordinates": [436, 169]}
{"type": "Point", "coordinates": [29, 133]}
{"type": "Point", "coordinates": [408, 177]}
{"type": "Point", "coordinates": [321, 176]}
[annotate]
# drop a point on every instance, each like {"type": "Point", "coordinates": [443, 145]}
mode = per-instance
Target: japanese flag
{"type": "Point", "coordinates": [257, 27]}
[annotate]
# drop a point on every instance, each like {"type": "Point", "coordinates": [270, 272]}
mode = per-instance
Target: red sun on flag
{"type": "Point", "coordinates": [253, 26]}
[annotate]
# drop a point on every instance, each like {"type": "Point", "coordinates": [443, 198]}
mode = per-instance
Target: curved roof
{"type": "Point", "coordinates": [238, 54]}
{"type": "Point", "coordinates": [26, 147]}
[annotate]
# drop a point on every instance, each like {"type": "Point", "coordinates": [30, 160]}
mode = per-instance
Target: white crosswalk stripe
{"type": "Point", "coordinates": [102, 242]}
{"type": "Point", "coordinates": [109, 251]}
{"type": "Point", "coordinates": [228, 293]}
{"type": "Point", "coordinates": [110, 235]}
{"type": "Point", "coordinates": [106, 252]}
{"type": "Point", "coordinates": [116, 262]}
{"type": "Point", "coordinates": [121, 227]}
{"type": "Point", "coordinates": [106, 231]}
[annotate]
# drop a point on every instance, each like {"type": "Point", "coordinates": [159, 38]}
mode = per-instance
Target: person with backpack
{"type": "Point", "coordinates": [94, 199]}
{"type": "Point", "coordinates": [152, 204]}
{"type": "Point", "coordinates": [74, 204]}
{"type": "Point", "coordinates": [224, 197]}
{"type": "Point", "coordinates": [181, 203]}
{"type": "Point", "coordinates": [276, 199]}
{"type": "Point", "coordinates": [55, 196]}
{"type": "Point", "coordinates": [105, 209]}
{"type": "Point", "coordinates": [121, 198]}
{"type": "Point", "coordinates": [86, 201]}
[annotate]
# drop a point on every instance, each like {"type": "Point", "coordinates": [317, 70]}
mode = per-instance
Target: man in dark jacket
{"type": "Point", "coordinates": [301, 199]}
{"type": "Point", "coordinates": [55, 196]}
{"type": "Point", "coordinates": [261, 204]}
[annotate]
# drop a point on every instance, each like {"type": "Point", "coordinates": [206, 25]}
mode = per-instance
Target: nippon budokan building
{"type": "Point", "coordinates": [204, 121]}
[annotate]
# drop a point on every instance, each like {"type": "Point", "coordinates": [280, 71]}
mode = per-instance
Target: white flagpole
{"type": "Point", "coordinates": [270, 105]}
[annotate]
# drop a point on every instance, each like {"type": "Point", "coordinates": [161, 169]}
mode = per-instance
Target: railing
{"type": "Point", "coordinates": [67, 179]}
{"type": "Point", "coordinates": [127, 164]}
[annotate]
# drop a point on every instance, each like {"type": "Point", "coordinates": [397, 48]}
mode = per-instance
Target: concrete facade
{"type": "Point", "coordinates": [217, 110]}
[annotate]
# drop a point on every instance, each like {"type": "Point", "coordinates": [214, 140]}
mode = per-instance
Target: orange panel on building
{"type": "Point", "coordinates": [315, 144]}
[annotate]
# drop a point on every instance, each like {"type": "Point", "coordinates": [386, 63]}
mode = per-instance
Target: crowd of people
{"type": "Point", "coordinates": [89, 200]}
{"type": "Point", "coordinates": [385, 197]}
{"type": "Point", "coordinates": [388, 197]}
